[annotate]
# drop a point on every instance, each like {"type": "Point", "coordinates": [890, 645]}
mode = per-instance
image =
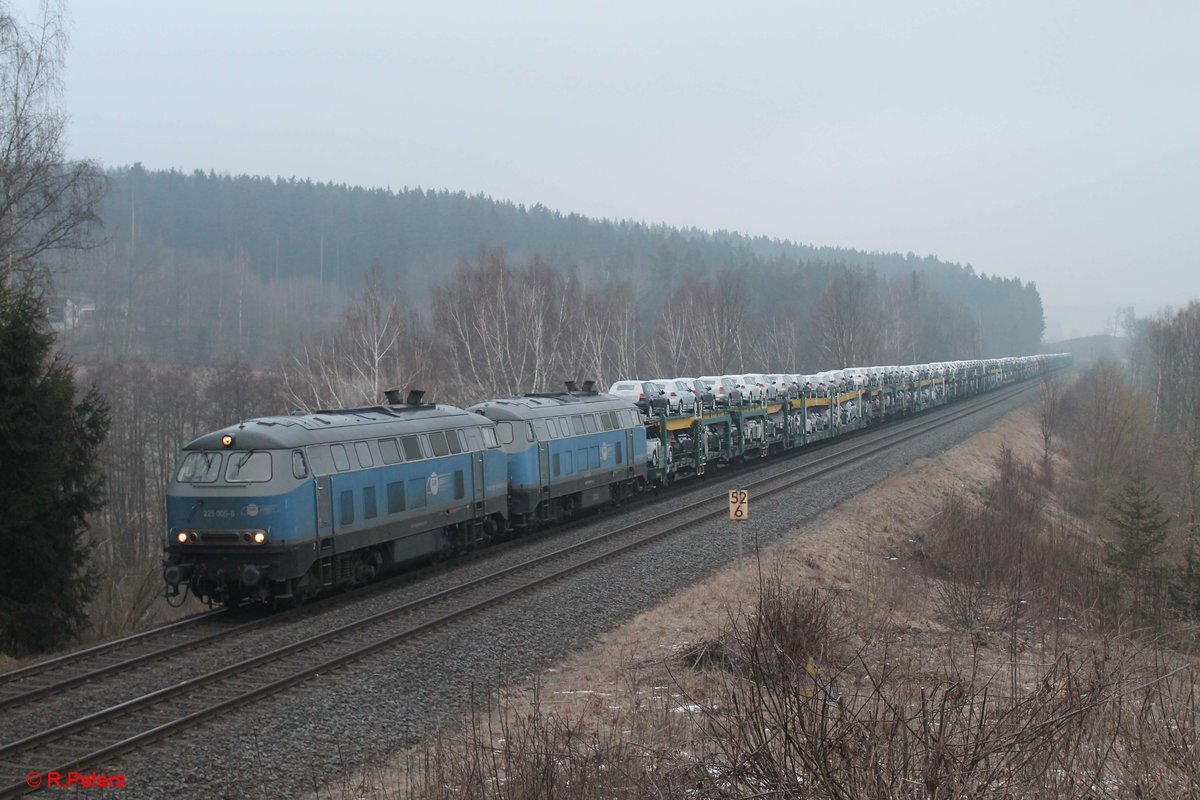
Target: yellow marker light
{"type": "Point", "coordinates": [227, 440]}
{"type": "Point", "coordinates": [259, 537]}
{"type": "Point", "coordinates": [182, 537]}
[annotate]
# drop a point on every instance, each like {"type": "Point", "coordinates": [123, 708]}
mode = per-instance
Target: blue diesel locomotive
{"type": "Point", "coordinates": [280, 508]}
{"type": "Point", "coordinates": [567, 451]}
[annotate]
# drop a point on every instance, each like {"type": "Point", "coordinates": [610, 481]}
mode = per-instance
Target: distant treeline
{"type": "Point", "coordinates": [242, 250]}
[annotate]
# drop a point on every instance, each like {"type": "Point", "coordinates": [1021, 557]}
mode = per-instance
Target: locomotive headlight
{"type": "Point", "coordinates": [182, 536]}
{"type": "Point", "coordinates": [260, 537]}
{"type": "Point", "coordinates": [227, 440]}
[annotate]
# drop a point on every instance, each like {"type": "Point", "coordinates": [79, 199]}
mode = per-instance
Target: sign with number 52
{"type": "Point", "coordinates": [739, 505]}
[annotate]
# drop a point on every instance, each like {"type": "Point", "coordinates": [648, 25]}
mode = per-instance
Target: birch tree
{"type": "Point", "coordinates": [47, 202]}
{"type": "Point", "coordinates": [375, 346]}
{"type": "Point", "coordinates": [848, 316]}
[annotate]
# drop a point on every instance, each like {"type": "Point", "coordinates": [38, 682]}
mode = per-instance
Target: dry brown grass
{"type": "Point", "coordinates": [833, 667]}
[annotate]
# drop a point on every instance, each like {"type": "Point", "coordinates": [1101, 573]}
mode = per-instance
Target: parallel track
{"type": "Point", "coordinates": [27, 684]}
{"type": "Point", "coordinates": [154, 716]}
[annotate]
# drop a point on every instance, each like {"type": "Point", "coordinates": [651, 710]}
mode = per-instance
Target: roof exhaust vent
{"type": "Point", "coordinates": [392, 395]}
{"type": "Point", "coordinates": [414, 397]}
{"type": "Point", "coordinates": [571, 387]}
{"type": "Point", "coordinates": [589, 387]}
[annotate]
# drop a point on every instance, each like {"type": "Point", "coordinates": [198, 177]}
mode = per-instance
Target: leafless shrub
{"type": "Point", "coordinates": [1105, 429]}
{"type": "Point", "coordinates": [793, 624]}
{"type": "Point", "coordinates": [770, 718]}
{"type": "Point", "coordinates": [1169, 714]}
{"type": "Point", "coordinates": [708, 654]}
{"type": "Point", "coordinates": [1001, 558]}
{"type": "Point", "coordinates": [525, 753]}
{"type": "Point", "coordinates": [979, 550]}
{"type": "Point", "coordinates": [965, 558]}
{"type": "Point", "coordinates": [826, 737]}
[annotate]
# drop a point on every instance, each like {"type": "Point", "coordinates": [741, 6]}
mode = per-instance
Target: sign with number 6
{"type": "Point", "coordinates": [739, 505]}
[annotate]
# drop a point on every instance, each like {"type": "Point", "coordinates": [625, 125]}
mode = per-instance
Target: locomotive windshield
{"type": "Point", "coordinates": [248, 467]}
{"type": "Point", "coordinates": [199, 467]}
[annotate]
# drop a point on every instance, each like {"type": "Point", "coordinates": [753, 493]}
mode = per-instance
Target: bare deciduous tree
{"type": "Point", "coordinates": [703, 327]}
{"type": "Point", "coordinates": [47, 202]}
{"type": "Point", "coordinates": [848, 312]}
{"type": "Point", "coordinates": [506, 329]}
{"type": "Point", "coordinates": [376, 346]}
{"type": "Point", "coordinates": [1108, 430]}
{"type": "Point", "coordinates": [606, 340]}
{"type": "Point", "coordinates": [1047, 410]}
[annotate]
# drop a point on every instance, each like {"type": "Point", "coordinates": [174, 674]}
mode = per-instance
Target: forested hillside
{"type": "Point", "coordinates": [204, 267]}
{"type": "Point", "coordinates": [213, 299]}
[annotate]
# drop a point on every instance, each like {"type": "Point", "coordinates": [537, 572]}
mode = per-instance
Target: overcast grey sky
{"type": "Point", "coordinates": [1059, 142]}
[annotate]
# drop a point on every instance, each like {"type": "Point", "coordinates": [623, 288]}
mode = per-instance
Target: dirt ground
{"type": "Point", "coordinates": [860, 550]}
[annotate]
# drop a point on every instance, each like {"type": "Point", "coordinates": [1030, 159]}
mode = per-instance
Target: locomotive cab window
{"type": "Point", "coordinates": [505, 429]}
{"type": "Point", "coordinates": [251, 466]}
{"type": "Point", "coordinates": [299, 467]}
{"type": "Point", "coordinates": [474, 439]}
{"type": "Point", "coordinates": [199, 468]}
{"type": "Point", "coordinates": [364, 454]}
{"type": "Point", "coordinates": [489, 437]}
{"type": "Point", "coordinates": [589, 422]}
{"type": "Point", "coordinates": [577, 423]}
{"type": "Point", "coordinates": [454, 442]}
{"type": "Point", "coordinates": [319, 458]}
{"type": "Point", "coordinates": [437, 440]}
{"type": "Point", "coordinates": [340, 459]}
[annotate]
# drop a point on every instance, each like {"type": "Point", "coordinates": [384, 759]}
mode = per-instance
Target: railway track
{"type": "Point", "coordinates": [37, 680]}
{"type": "Point", "coordinates": [27, 684]}
{"type": "Point", "coordinates": [151, 717]}
{"type": "Point", "coordinates": [55, 675]}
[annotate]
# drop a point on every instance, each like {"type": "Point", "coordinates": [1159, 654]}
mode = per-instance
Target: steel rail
{"type": "Point", "coordinates": [230, 675]}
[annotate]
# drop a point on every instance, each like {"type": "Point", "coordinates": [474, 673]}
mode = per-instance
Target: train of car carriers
{"type": "Point", "coordinates": [276, 509]}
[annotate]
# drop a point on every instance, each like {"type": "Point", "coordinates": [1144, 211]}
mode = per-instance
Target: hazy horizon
{"type": "Point", "coordinates": [1052, 143]}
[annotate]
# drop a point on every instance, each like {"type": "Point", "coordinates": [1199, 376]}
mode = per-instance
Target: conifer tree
{"type": "Point", "coordinates": [1141, 528]}
{"type": "Point", "coordinates": [50, 480]}
{"type": "Point", "coordinates": [50, 434]}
